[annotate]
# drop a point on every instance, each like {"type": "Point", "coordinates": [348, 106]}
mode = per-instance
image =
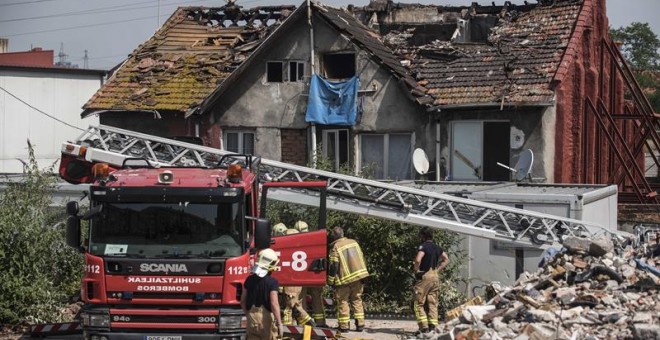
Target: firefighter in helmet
{"type": "Point", "coordinates": [316, 293]}
{"type": "Point", "coordinates": [293, 306]}
{"type": "Point", "coordinates": [279, 229]}
{"type": "Point", "coordinates": [260, 303]}
{"type": "Point", "coordinates": [346, 270]}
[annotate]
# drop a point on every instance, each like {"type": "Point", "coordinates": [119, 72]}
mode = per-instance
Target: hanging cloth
{"type": "Point", "coordinates": [332, 102]}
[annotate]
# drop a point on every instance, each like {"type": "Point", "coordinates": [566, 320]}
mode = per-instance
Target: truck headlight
{"type": "Point", "coordinates": [232, 321]}
{"type": "Point", "coordinates": [99, 320]}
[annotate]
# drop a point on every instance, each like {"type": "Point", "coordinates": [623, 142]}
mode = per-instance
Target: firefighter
{"type": "Point", "coordinates": [279, 229]}
{"type": "Point", "coordinates": [260, 303]}
{"type": "Point", "coordinates": [346, 270]}
{"type": "Point", "coordinates": [292, 303]}
{"type": "Point", "coordinates": [316, 293]}
{"type": "Point", "coordinates": [430, 260]}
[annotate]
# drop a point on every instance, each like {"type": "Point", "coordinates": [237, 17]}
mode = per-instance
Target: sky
{"type": "Point", "coordinates": [109, 30]}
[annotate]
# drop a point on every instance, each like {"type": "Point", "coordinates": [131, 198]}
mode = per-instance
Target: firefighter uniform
{"type": "Point", "coordinates": [347, 268]}
{"type": "Point", "coordinates": [318, 309]}
{"type": "Point", "coordinates": [316, 293]}
{"type": "Point", "coordinates": [293, 306]}
{"type": "Point", "coordinates": [429, 261]}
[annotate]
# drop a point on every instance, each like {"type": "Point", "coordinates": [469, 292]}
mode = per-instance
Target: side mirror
{"type": "Point", "coordinates": [72, 208]}
{"type": "Point", "coordinates": [73, 231]}
{"type": "Point", "coordinates": [262, 234]}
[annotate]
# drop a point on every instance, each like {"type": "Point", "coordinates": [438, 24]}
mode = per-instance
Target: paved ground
{"type": "Point", "coordinates": [374, 330]}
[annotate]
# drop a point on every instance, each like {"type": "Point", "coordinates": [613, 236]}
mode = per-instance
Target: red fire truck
{"type": "Point", "coordinates": [167, 248]}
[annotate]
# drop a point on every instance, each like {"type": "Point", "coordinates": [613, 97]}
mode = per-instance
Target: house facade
{"type": "Point", "coordinates": [264, 110]}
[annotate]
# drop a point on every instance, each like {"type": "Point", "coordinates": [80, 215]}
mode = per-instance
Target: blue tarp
{"type": "Point", "coordinates": [332, 103]}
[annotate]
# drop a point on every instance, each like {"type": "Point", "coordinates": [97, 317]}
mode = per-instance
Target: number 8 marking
{"type": "Point", "coordinates": [299, 261]}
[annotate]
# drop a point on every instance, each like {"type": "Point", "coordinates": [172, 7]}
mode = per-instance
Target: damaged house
{"type": "Point", "coordinates": [473, 86]}
{"type": "Point", "coordinates": [240, 80]}
{"type": "Point", "coordinates": [543, 76]}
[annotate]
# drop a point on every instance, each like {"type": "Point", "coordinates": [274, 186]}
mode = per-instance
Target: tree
{"type": "Point", "coordinates": [639, 45]}
{"type": "Point", "coordinates": [640, 48]}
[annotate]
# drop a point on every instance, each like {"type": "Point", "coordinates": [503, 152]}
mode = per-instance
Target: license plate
{"type": "Point", "coordinates": [163, 337]}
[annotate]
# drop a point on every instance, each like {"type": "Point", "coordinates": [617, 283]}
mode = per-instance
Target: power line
{"type": "Point", "coordinates": [82, 26]}
{"type": "Point", "coordinates": [43, 113]}
{"type": "Point", "coordinates": [99, 10]}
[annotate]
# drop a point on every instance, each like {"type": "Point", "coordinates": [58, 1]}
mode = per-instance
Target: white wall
{"type": "Point", "coordinates": [58, 93]}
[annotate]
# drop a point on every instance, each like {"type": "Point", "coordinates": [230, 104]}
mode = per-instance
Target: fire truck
{"type": "Point", "coordinates": [173, 227]}
{"type": "Point", "coordinates": [167, 248]}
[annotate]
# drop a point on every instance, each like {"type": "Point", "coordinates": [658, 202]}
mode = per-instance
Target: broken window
{"type": "Point", "coordinates": [388, 155]}
{"type": "Point", "coordinates": [476, 147]}
{"type": "Point", "coordinates": [239, 142]}
{"type": "Point", "coordinates": [335, 147]}
{"type": "Point", "coordinates": [296, 71]}
{"type": "Point", "coordinates": [339, 65]}
{"type": "Point", "coordinates": [274, 72]}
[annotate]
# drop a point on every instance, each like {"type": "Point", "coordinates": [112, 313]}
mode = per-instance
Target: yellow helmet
{"type": "Point", "coordinates": [291, 231]}
{"type": "Point", "coordinates": [301, 226]}
{"type": "Point", "coordinates": [279, 229]}
{"type": "Point", "coordinates": [267, 261]}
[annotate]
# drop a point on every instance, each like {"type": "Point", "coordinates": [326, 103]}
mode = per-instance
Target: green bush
{"type": "Point", "coordinates": [38, 271]}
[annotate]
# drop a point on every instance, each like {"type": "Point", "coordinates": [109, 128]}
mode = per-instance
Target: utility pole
{"type": "Point", "coordinates": [86, 60]}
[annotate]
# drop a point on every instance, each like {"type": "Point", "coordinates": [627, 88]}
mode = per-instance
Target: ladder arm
{"type": "Point", "coordinates": [357, 195]}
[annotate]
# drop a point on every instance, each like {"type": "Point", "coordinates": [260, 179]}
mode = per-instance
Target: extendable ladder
{"type": "Point", "coordinates": [353, 194]}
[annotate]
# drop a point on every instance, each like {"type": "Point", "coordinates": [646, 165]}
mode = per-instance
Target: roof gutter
{"type": "Point", "coordinates": [86, 114]}
{"type": "Point", "coordinates": [439, 108]}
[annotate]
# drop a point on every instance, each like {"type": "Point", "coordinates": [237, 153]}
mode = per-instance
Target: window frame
{"type": "Point", "coordinates": [241, 147]}
{"type": "Point", "coordinates": [286, 65]}
{"type": "Point", "coordinates": [324, 139]}
{"type": "Point", "coordinates": [299, 73]}
{"type": "Point", "coordinates": [386, 156]}
{"type": "Point", "coordinates": [481, 135]}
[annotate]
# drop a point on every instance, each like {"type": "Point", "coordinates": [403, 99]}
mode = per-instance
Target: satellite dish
{"type": "Point", "coordinates": [524, 164]}
{"type": "Point", "coordinates": [420, 161]}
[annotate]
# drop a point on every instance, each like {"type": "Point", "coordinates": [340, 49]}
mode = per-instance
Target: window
{"type": "Point", "coordinates": [476, 147]}
{"type": "Point", "coordinates": [335, 147]}
{"type": "Point", "coordinates": [239, 142]}
{"type": "Point", "coordinates": [296, 71]}
{"type": "Point", "coordinates": [339, 65]}
{"type": "Point", "coordinates": [389, 154]}
{"type": "Point", "coordinates": [275, 72]}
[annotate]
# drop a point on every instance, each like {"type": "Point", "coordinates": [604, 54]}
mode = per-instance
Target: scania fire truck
{"type": "Point", "coordinates": [167, 248]}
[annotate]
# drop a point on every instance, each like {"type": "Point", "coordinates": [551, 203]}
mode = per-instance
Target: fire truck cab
{"type": "Point", "coordinates": [167, 249]}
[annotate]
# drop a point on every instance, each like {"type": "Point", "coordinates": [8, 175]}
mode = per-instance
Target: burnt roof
{"type": "Point", "coordinates": [186, 59]}
{"type": "Point", "coordinates": [516, 65]}
{"type": "Point", "coordinates": [370, 41]}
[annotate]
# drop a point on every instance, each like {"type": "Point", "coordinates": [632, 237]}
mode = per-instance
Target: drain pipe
{"type": "Point", "coordinates": [312, 71]}
{"type": "Point", "coordinates": [437, 151]}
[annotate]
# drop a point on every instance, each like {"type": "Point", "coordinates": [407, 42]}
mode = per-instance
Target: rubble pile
{"type": "Point", "coordinates": [587, 290]}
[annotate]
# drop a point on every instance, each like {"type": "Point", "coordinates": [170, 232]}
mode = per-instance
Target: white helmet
{"type": "Point", "coordinates": [301, 226]}
{"type": "Point", "coordinates": [267, 261]}
{"type": "Point", "coordinates": [291, 231]}
{"type": "Point", "coordinates": [279, 229]}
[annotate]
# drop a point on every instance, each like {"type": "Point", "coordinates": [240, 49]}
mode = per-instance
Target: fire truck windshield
{"type": "Point", "coordinates": [183, 229]}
